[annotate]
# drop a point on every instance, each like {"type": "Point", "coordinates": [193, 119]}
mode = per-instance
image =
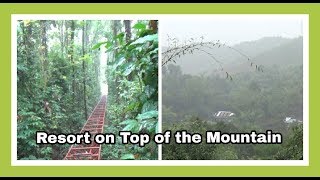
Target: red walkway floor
{"type": "Point", "coordinates": [94, 125]}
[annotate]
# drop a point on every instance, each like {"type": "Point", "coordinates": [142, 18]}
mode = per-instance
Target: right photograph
{"type": "Point", "coordinates": [234, 74]}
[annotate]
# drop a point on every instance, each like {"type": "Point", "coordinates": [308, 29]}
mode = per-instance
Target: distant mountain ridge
{"type": "Point", "coordinates": [267, 51]}
{"type": "Point", "coordinates": [286, 54]}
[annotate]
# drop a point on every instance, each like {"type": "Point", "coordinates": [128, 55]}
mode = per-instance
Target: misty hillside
{"type": "Point", "coordinates": [286, 54]}
{"type": "Point", "coordinates": [266, 51]}
{"type": "Point", "coordinates": [253, 48]}
{"type": "Point", "coordinates": [197, 97]}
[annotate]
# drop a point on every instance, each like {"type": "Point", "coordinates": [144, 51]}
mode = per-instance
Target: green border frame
{"type": "Point", "coordinates": [258, 8]}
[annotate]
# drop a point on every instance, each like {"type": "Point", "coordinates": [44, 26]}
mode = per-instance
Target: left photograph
{"type": "Point", "coordinates": [74, 76]}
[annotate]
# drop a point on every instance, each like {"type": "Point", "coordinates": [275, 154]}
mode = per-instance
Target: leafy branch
{"type": "Point", "coordinates": [177, 49]}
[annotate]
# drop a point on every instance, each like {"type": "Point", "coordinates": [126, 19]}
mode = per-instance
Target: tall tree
{"type": "Point", "coordinates": [61, 26]}
{"type": "Point", "coordinates": [127, 27]}
{"type": "Point", "coordinates": [44, 53]}
{"type": "Point", "coordinates": [84, 35]}
{"type": "Point", "coordinates": [115, 29]}
{"type": "Point", "coordinates": [71, 51]}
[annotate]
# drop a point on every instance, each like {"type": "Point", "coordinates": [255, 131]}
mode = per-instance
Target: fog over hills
{"type": "Point", "coordinates": [267, 51]}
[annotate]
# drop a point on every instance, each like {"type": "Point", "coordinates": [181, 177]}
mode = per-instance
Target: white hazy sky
{"type": "Point", "coordinates": [231, 29]}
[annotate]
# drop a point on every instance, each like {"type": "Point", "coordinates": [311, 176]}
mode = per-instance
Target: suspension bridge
{"type": "Point", "coordinates": [94, 125]}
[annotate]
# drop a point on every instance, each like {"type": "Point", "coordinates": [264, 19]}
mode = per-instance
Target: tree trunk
{"type": "Point", "coordinates": [61, 28]}
{"type": "Point", "coordinates": [84, 70]}
{"type": "Point", "coordinates": [127, 26]}
{"type": "Point", "coordinates": [44, 53]}
{"type": "Point", "coordinates": [115, 32]}
{"type": "Point", "coordinates": [153, 26]}
{"type": "Point", "coordinates": [72, 60]}
{"type": "Point", "coordinates": [66, 36]}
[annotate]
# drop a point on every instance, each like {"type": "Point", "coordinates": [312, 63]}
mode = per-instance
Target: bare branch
{"type": "Point", "coordinates": [177, 50]}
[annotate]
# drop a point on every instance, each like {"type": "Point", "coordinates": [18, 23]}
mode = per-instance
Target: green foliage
{"type": "Point", "coordinates": [200, 151]}
{"type": "Point", "coordinates": [98, 45]}
{"type": "Point", "coordinates": [132, 74]}
{"type": "Point", "coordinates": [260, 102]}
{"type": "Point", "coordinates": [149, 38]}
{"type": "Point", "coordinates": [46, 72]}
{"type": "Point", "coordinates": [140, 26]}
{"type": "Point", "coordinates": [147, 115]}
{"type": "Point", "coordinates": [128, 157]}
{"type": "Point", "coordinates": [131, 125]}
{"type": "Point", "coordinates": [293, 147]}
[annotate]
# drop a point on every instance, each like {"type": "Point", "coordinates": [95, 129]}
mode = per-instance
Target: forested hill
{"type": "Point", "coordinates": [193, 96]}
{"type": "Point", "coordinates": [260, 98]}
{"type": "Point", "coordinates": [287, 54]}
{"type": "Point", "coordinates": [266, 51]}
